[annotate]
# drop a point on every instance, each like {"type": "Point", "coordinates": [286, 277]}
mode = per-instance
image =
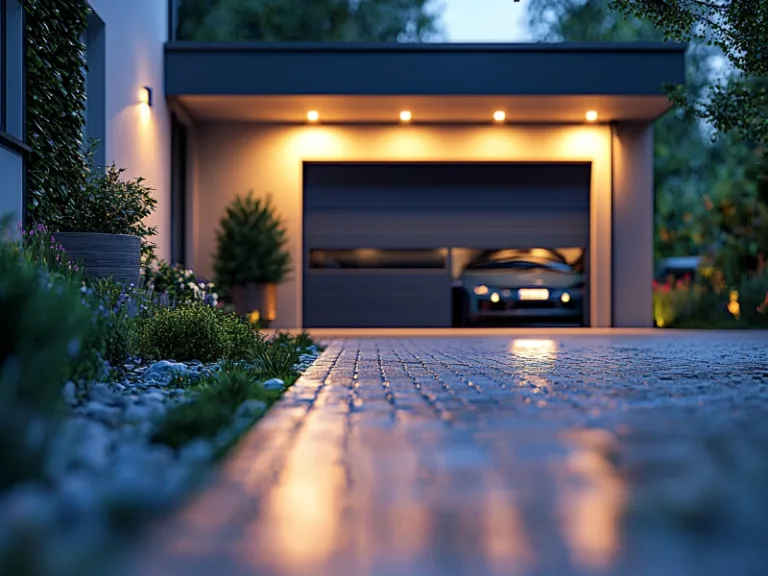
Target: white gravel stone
{"type": "Point", "coordinates": [78, 491]}
{"type": "Point", "coordinates": [274, 384]}
{"type": "Point", "coordinates": [70, 393]}
{"type": "Point", "coordinates": [102, 456]}
{"type": "Point", "coordinates": [196, 452]}
{"type": "Point", "coordinates": [137, 412]}
{"type": "Point", "coordinates": [28, 507]}
{"type": "Point", "coordinates": [110, 415]}
{"type": "Point", "coordinates": [164, 370]}
{"type": "Point", "coordinates": [103, 394]}
{"type": "Point", "coordinates": [250, 409]}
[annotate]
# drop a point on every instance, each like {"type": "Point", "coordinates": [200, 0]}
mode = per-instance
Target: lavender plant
{"type": "Point", "coordinates": [39, 245]}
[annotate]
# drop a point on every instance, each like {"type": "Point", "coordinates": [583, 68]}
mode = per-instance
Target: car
{"type": "Point", "coordinates": [676, 268]}
{"type": "Point", "coordinates": [534, 284]}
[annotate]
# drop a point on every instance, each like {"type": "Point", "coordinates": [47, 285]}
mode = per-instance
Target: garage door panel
{"type": "Point", "coordinates": [365, 230]}
{"type": "Point", "coordinates": [441, 175]}
{"type": "Point", "coordinates": [448, 199]}
{"type": "Point", "coordinates": [359, 299]}
{"type": "Point", "coordinates": [480, 237]}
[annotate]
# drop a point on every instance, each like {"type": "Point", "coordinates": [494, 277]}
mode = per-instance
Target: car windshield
{"type": "Point", "coordinates": [521, 264]}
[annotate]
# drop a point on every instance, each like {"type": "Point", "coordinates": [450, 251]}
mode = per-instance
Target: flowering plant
{"type": "Point", "coordinates": [180, 283]}
{"type": "Point", "coordinates": [39, 245]}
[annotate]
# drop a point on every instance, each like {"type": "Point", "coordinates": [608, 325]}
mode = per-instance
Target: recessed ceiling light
{"type": "Point", "coordinates": [499, 116]}
{"type": "Point", "coordinates": [591, 116]}
{"type": "Point", "coordinates": [405, 116]}
{"type": "Point", "coordinates": [313, 116]}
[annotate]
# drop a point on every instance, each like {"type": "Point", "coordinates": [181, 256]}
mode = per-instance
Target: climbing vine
{"type": "Point", "coordinates": [55, 92]}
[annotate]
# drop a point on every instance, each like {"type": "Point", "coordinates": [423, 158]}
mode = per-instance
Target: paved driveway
{"type": "Point", "coordinates": [621, 455]}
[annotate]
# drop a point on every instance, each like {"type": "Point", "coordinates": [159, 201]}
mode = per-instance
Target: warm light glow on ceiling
{"type": "Point", "coordinates": [313, 116]}
{"type": "Point", "coordinates": [499, 116]}
{"type": "Point", "coordinates": [591, 116]}
{"type": "Point", "coordinates": [405, 116]}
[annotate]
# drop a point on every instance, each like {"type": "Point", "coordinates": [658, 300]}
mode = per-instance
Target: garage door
{"type": "Point", "coordinates": [377, 236]}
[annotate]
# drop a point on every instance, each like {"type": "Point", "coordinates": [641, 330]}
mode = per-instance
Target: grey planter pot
{"type": "Point", "coordinates": [104, 255]}
{"type": "Point", "coordinates": [259, 297]}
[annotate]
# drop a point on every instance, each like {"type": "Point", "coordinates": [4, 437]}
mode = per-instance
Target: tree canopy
{"type": "Point", "coordinates": [308, 20]}
{"type": "Point", "coordinates": [698, 183]}
{"type": "Point", "coordinates": [737, 101]}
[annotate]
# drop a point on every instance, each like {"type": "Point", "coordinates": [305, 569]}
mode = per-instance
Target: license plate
{"type": "Point", "coordinates": [533, 294]}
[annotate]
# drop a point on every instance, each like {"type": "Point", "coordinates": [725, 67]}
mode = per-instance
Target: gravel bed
{"type": "Point", "coordinates": [107, 474]}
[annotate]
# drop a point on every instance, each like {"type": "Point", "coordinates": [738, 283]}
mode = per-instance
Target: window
{"type": "Point", "coordinates": [3, 63]}
{"type": "Point", "coordinates": [372, 259]}
{"type": "Point", "coordinates": [95, 86]}
{"type": "Point", "coordinates": [173, 12]}
{"type": "Point", "coordinates": [178, 190]}
{"type": "Point", "coordinates": [12, 70]}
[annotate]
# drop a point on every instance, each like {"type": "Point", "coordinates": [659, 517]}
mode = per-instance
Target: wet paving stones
{"type": "Point", "coordinates": [611, 455]}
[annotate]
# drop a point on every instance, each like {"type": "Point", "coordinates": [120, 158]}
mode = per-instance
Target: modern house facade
{"type": "Point", "coordinates": [425, 153]}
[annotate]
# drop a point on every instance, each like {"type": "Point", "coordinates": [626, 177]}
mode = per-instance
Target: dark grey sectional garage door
{"type": "Point", "coordinates": [376, 235]}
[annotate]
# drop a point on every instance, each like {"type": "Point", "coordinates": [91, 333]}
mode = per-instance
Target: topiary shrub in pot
{"type": "Point", "coordinates": [251, 259]}
{"type": "Point", "coordinates": [102, 225]}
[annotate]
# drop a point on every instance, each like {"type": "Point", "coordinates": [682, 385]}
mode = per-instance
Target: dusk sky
{"type": "Point", "coordinates": [485, 20]}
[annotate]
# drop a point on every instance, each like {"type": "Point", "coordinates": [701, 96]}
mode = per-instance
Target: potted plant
{"type": "Point", "coordinates": [251, 259]}
{"type": "Point", "coordinates": [102, 226]}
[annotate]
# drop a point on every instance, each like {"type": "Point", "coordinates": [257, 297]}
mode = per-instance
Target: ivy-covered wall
{"type": "Point", "coordinates": [55, 93]}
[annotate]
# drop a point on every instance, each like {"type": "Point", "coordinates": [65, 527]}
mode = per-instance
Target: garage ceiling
{"type": "Point", "coordinates": [426, 109]}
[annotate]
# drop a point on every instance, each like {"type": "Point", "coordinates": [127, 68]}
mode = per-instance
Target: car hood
{"type": "Point", "coordinates": [520, 278]}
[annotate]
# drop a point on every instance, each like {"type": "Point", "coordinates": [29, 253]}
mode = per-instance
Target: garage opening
{"type": "Point", "coordinates": [436, 245]}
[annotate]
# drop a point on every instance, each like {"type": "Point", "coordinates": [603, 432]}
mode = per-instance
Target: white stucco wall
{"type": "Point", "coordinates": [234, 158]}
{"type": "Point", "coordinates": [633, 221]}
{"type": "Point", "coordinates": [138, 137]}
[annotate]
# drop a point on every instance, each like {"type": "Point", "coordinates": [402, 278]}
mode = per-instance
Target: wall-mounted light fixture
{"type": "Point", "coordinates": [145, 96]}
{"type": "Point", "coordinates": [499, 116]}
{"type": "Point", "coordinates": [313, 116]}
{"type": "Point", "coordinates": [405, 116]}
{"type": "Point", "coordinates": [591, 116]}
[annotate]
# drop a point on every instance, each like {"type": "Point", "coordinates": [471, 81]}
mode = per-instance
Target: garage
{"type": "Point", "coordinates": [386, 244]}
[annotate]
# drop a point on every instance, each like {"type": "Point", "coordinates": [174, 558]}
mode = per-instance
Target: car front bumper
{"type": "Point", "coordinates": [510, 306]}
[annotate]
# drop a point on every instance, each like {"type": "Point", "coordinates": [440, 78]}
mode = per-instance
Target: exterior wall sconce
{"type": "Point", "coordinates": [145, 96]}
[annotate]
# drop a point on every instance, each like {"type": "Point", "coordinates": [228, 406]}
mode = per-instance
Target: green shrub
{"type": "Point", "coordinates": [110, 204]}
{"type": "Point", "coordinates": [276, 360]}
{"type": "Point", "coordinates": [44, 328]}
{"type": "Point", "coordinates": [196, 332]}
{"type": "Point", "coordinates": [217, 397]}
{"type": "Point", "coordinates": [216, 400]}
{"type": "Point", "coordinates": [185, 333]}
{"type": "Point", "coordinates": [250, 244]}
{"type": "Point", "coordinates": [753, 299]}
{"type": "Point", "coordinates": [117, 311]}
{"type": "Point", "coordinates": [242, 339]}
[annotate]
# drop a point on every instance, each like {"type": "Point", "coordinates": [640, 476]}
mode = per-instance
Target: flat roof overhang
{"type": "Point", "coordinates": [440, 83]}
